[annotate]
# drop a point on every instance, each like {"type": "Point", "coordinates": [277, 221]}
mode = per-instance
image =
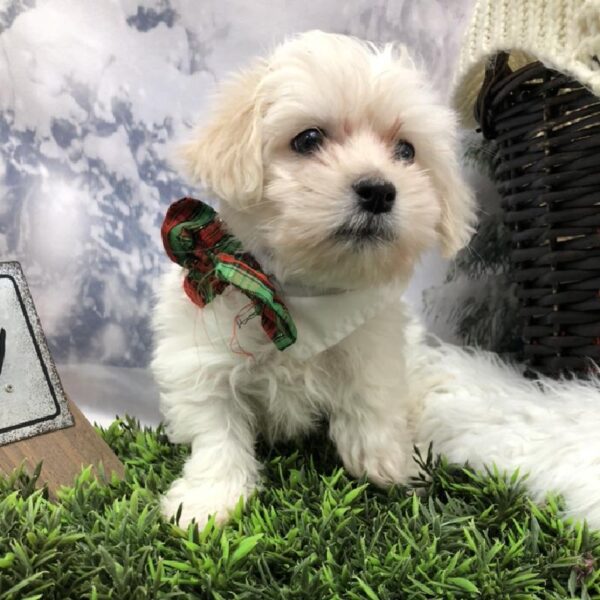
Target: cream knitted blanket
{"type": "Point", "coordinates": [563, 34]}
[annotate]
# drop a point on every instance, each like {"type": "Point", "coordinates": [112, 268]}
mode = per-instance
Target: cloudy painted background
{"type": "Point", "coordinates": [93, 96]}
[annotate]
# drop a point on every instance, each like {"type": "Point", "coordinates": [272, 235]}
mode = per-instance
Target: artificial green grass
{"type": "Point", "coordinates": [312, 532]}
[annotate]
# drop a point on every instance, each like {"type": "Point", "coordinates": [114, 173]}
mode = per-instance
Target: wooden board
{"type": "Point", "coordinates": [64, 453]}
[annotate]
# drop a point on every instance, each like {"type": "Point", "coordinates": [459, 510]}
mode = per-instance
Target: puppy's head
{"type": "Point", "coordinates": [335, 163]}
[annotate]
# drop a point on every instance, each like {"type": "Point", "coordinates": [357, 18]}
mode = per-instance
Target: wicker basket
{"type": "Point", "coordinates": [547, 129]}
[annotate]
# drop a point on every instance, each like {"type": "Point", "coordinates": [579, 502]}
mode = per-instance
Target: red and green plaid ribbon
{"type": "Point", "coordinates": [194, 237]}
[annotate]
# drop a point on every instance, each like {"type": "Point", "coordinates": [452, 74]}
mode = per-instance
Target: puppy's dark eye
{"type": "Point", "coordinates": [404, 151]}
{"type": "Point", "coordinates": [308, 141]}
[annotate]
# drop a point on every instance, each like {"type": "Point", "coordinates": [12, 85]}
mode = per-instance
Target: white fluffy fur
{"type": "Point", "coordinates": [382, 387]}
{"type": "Point", "coordinates": [218, 400]}
{"type": "Point", "coordinates": [475, 408]}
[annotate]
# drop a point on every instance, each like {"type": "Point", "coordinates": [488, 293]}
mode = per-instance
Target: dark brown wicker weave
{"type": "Point", "coordinates": [547, 128]}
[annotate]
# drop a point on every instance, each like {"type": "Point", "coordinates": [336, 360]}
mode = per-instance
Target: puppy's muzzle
{"type": "Point", "coordinates": [375, 195]}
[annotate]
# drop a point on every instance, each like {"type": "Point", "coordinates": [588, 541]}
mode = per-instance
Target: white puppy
{"type": "Point", "coordinates": [336, 167]}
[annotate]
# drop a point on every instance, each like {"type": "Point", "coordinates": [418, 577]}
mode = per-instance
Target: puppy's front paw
{"type": "Point", "coordinates": [384, 455]}
{"type": "Point", "coordinates": [201, 499]}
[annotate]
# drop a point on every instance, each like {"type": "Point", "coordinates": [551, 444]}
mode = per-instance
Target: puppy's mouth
{"type": "Point", "coordinates": [366, 229]}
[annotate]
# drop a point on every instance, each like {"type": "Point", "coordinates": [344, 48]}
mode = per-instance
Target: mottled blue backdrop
{"type": "Point", "coordinates": [93, 96]}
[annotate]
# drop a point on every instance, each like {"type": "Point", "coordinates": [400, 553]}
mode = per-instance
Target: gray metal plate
{"type": "Point", "coordinates": [32, 399]}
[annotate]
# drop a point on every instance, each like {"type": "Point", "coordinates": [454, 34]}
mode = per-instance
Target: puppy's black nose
{"type": "Point", "coordinates": [375, 195]}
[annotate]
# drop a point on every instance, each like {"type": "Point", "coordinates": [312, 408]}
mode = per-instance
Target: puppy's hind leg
{"type": "Point", "coordinates": [222, 466]}
{"type": "Point", "coordinates": [373, 437]}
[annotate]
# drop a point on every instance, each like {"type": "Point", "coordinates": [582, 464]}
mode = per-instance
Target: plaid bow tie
{"type": "Point", "coordinates": [194, 237]}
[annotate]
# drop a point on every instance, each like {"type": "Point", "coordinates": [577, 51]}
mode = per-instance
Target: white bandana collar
{"type": "Point", "coordinates": [326, 317]}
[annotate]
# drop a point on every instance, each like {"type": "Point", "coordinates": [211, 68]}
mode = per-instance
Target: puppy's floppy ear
{"type": "Point", "coordinates": [457, 223]}
{"type": "Point", "coordinates": [226, 154]}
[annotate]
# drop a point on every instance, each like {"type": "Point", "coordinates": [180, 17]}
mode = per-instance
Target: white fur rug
{"type": "Point", "coordinates": [480, 410]}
